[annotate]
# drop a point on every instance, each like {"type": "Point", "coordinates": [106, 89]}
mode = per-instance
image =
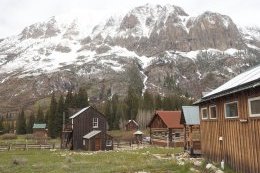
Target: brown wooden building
{"type": "Point", "coordinates": [165, 129]}
{"type": "Point", "coordinates": [230, 123]}
{"type": "Point", "coordinates": [40, 133]}
{"type": "Point", "coordinates": [87, 130]}
{"type": "Point", "coordinates": [131, 125]}
{"type": "Point", "coordinates": [190, 118]}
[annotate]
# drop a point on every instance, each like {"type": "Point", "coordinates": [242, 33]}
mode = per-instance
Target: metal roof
{"type": "Point", "coordinates": [79, 112]}
{"type": "Point", "coordinates": [191, 115]}
{"type": "Point", "coordinates": [244, 81]}
{"type": "Point", "coordinates": [91, 134]}
{"type": "Point", "coordinates": [138, 132]}
{"type": "Point", "coordinates": [39, 126]}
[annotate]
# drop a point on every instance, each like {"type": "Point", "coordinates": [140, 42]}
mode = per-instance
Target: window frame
{"type": "Point", "coordinates": [225, 109]}
{"type": "Point", "coordinates": [109, 142]}
{"type": "Point", "coordinates": [249, 106]}
{"type": "Point", "coordinates": [201, 110]}
{"type": "Point", "coordinates": [210, 117]}
{"type": "Point", "coordinates": [95, 123]}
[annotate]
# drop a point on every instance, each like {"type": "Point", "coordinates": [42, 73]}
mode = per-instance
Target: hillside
{"type": "Point", "coordinates": [171, 50]}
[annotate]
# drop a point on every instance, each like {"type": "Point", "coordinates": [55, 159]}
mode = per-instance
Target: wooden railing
{"type": "Point", "coordinates": [4, 147]}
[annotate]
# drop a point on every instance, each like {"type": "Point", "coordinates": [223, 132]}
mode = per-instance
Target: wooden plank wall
{"type": "Point", "coordinates": [240, 147]}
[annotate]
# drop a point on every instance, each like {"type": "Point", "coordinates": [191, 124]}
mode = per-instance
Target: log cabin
{"type": "Point", "coordinates": [131, 125]}
{"type": "Point", "coordinates": [165, 129]}
{"type": "Point", "coordinates": [230, 123]}
{"type": "Point", "coordinates": [191, 120]}
{"type": "Point", "coordinates": [87, 130]}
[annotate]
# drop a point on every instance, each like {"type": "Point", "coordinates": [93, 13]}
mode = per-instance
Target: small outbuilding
{"type": "Point", "coordinates": [190, 118]}
{"type": "Point", "coordinates": [138, 136]}
{"type": "Point", "coordinates": [165, 129]}
{"type": "Point", "coordinates": [40, 132]}
{"type": "Point", "coordinates": [131, 125]}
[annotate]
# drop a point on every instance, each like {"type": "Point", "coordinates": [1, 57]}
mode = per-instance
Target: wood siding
{"type": "Point", "coordinates": [240, 147]}
{"type": "Point", "coordinates": [82, 125]}
{"type": "Point", "coordinates": [131, 126]}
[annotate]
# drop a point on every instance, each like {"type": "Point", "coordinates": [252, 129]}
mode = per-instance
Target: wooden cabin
{"type": "Point", "coordinates": [165, 129]}
{"type": "Point", "coordinates": [87, 130]}
{"type": "Point", "coordinates": [191, 120]}
{"type": "Point", "coordinates": [230, 123]}
{"type": "Point", "coordinates": [40, 133]}
{"type": "Point", "coordinates": [131, 125]}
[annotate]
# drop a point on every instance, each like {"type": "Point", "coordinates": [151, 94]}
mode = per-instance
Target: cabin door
{"type": "Point", "coordinates": [97, 144]}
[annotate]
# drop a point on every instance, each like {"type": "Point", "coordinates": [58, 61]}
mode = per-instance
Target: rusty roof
{"type": "Point", "coordinates": [170, 118]}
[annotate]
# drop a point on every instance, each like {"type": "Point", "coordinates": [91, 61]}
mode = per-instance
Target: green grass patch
{"type": "Point", "coordinates": [42, 161]}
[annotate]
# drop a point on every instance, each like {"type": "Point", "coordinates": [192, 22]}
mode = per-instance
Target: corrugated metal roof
{"type": "Point", "coordinates": [239, 80]}
{"type": "Point", "coordinates": [79, 112]}
{"type": "Point", "coordinates": [170, 118]}
{"type": "Point", "coordinates": [244, 81]}
{"type": "Point", "coordinates": [39, 126]}
{"type": "Point", "coordinates": [91, 134]}
{"type": "Point", "coordinates": [191, 115]}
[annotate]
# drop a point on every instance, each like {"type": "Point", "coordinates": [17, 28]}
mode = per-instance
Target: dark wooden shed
{"type": "Point", "coordinates": [87, 131]}
{"type": "Point", "coordinates": [165, 129]}
{"type": "Point", "coordinates": [191, 121]}
{"type": "Point", "coordinates": [131, 125]}
{"type": "Point", "coordinates": [230, 123]}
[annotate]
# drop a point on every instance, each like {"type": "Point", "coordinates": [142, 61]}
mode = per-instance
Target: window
{"type": "Point", "coordinates": [177, 135]}
{"type": "Point", "coordinates": [108, 143]}
{"type": "Point", "coordinates": [204, 113]}
{"type": "Point", "coordinates": [231, 110]}
{"type": "Point", "coordinates": [95, 122]}
{"type": "Point", "coordinates": [254, 106]}
{"type": "Point", "coordinates": [84, 142]}
{"type": "Point", "coordinates": [213, 112]}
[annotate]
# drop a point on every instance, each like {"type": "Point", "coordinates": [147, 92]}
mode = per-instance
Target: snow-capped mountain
{"type": "Point", "coordinates": [196, 52]}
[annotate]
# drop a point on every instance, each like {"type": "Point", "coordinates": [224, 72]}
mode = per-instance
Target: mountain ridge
{"type": "Point", "coordinates": [197, 53]}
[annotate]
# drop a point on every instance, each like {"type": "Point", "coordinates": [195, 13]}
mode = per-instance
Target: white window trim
{"type": "Point", "coordinates": [95, 126]}
{"type": "Point", "coordinates": [226, 111]}
{"type": "Point", "coordinates": [201, 110]}
{"type": "Point", "coordinates": [249, 106]}
{"type": "Point", "coordinates": [109, 145]}
{"type": "Point", "coordinates": [210, 112]}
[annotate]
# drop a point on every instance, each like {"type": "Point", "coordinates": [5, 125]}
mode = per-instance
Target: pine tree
{"type": "Point", "coordinates": [68, 104]}
{"type": "Point", "coordinates": [51, 118]}
{"type": "Point", "coordinates": [82, 98]}
{"type": "Point", "coordinates": [158, 102]}
{"type": "Point", "coordinates": [40, 115]}
{"type": "Point", "coordinates": [21, 123]}
{"type": "Point", "coordinates": [58, 120]}
{"type": "Point", "coordinates": [132, 102]}
{"type": "Point", "coordinates": [1, 124]}
{"type": "Point", "coordinates": [30, 122]}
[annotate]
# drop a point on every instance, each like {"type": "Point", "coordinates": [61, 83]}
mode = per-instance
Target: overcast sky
{"type": "Point", "coordinates": [17, 14]}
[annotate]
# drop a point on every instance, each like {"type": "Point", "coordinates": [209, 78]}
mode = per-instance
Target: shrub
{"type": "Point", "coordinates": [29, 136]}
{"type": "Point", "coordinates": [19, 161]}
{"type": "Point", "coordinates": [8, 136]}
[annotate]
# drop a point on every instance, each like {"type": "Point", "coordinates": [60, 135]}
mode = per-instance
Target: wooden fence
{"type": "Point", "coordinates": [7, 147]}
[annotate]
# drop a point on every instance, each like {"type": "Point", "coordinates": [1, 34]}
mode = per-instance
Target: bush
{"type": "Point", "coordinates": [29, 136]}
{"type": "Point", "coordinates": [8, 136]}
{"type": "Point", "coordinates": [19, 161]}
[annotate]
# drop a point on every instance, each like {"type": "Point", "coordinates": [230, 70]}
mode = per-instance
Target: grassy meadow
{"type": "Point", "coordinates": [42, 161]}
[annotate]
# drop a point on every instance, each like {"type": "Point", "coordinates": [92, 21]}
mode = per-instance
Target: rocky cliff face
{"type": "Point", "coordinates": [171, 50]}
